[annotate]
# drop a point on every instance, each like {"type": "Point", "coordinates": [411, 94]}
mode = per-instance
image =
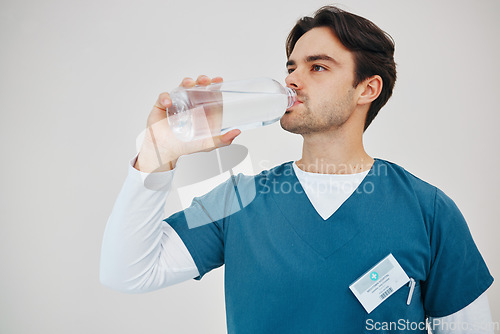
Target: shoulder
{"type": "Point", "coordinates": [265, 176]}
{"type": "Point", "coordinates": [268, 175]}
{"type": "Point", "coordinates": [399, 174]}
{"type": "Point", "coordinates": [431, 198]}
{"type": "Point", "coordinates": [285, 168]}
{"type": "Point", "coordinates": [244, 186]}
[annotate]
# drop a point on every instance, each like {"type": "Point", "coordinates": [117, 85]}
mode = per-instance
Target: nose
{"type": "Point", "coordinates": [293, 80]}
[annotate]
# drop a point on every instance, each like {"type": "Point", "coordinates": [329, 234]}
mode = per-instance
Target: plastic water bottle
{"type": "Point", "coordinates": [206, 111]}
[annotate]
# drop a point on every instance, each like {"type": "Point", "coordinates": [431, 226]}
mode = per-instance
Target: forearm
{"type": "Point", "coordinates": [140, 252]}
{"type": "Point", "coordinates": [153, 157]}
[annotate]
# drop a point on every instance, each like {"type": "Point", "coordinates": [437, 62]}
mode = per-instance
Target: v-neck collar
{"type": "Point", "coordinates": [325, 236]}
{"type": "Point", "coordinates": [308, 180]}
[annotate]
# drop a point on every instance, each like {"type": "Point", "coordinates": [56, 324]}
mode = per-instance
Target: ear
{"type": "Point", "coordinates": [371, 89]}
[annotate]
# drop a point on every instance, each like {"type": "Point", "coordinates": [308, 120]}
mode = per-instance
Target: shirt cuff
{"type": "Point", "coordinates": [152, 181]}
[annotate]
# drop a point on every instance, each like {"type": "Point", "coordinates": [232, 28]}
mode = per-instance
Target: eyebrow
{"type": "Point", "coordinates": [312, 58]}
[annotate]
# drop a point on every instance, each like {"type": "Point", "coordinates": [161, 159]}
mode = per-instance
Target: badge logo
{"type": "Point", "coordinates": [374, 276]}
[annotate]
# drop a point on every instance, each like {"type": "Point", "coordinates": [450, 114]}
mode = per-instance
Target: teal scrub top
{"type": "Point", "coordinates": [288, 271]}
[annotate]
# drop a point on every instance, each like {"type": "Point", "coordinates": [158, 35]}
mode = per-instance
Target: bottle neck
{"type": "Point", "coordinates": [292, 96]}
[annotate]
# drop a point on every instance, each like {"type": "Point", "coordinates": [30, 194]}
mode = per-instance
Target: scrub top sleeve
{"type": "Point", "coordinates": [202, 225]}
{"type": "Point", "coordinates": [205, 243]}
{"type": "Point", "coordinates": [458, 274]}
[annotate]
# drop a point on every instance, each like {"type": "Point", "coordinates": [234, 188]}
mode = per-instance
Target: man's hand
{"type": "Point", "coordinates": [161, 148]}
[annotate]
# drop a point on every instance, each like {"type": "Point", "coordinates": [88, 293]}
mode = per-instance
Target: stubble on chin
{"type": "Point", "coordinates": [304, 121]}
{"type": "Point", "coordinates": [295, 121]}
{"type": "Point", "coordinates": [328, 116]}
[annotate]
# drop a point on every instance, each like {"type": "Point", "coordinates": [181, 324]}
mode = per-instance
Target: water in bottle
{"type": "Point", "coordinates": [206, 111]}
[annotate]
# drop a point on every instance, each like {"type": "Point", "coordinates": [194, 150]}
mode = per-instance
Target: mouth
{"type": "Point", "coordinates": [297, 102]}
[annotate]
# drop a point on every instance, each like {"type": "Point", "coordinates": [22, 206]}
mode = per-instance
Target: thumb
{"type": "Point", "coordinates": [227, 138]}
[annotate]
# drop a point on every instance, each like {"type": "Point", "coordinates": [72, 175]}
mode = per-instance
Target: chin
{"type": "Point", "coordinates": [289, 127]}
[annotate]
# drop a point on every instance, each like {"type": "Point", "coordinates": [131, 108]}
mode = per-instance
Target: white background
{"type": "Point", "coordinates": [78, 78]}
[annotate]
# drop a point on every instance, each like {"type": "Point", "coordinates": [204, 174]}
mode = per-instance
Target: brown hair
{"type": "Point", "coordinates": [373, 48]}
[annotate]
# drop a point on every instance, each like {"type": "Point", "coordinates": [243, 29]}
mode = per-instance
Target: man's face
{"type": "Point", "coordinates": [321, 70]}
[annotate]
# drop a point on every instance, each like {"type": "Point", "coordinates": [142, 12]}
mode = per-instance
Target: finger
{"type": "Point", "coordinates": [188, 83]}
{"type": "Point", "coordinates": [217, 80]}
{"type": "Point", "coordinates": [203, 80]}
{"type": "Point", "coordinates": [221, 141]}
{"type": "Point", "coordinates": [227, 138]}
{"type": "Point", "coordinates": [163, 101]}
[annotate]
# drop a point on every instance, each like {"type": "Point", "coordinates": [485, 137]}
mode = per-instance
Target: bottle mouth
{"type": "Point", "coordinates": [292, 96]}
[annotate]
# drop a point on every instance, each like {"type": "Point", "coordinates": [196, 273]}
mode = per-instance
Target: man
{"type": "Point", "coordinates": [376, 250]}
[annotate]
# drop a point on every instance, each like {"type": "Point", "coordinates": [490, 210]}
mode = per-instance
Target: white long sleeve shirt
{"type": "Point", "coordinates": [142, 253]}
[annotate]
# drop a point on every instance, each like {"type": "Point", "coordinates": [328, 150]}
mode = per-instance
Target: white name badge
{"type": "Point", "coordinates": [379, 283]}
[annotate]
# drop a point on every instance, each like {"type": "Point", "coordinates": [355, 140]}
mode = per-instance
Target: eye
{"type": "Point", "coordinates": [290, 70]}
{"type": "Point", "coordinates": [318, 68]}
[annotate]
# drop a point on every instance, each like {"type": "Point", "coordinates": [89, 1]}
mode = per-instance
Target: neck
{"type": "Point", "coordinates": [338, 151]}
